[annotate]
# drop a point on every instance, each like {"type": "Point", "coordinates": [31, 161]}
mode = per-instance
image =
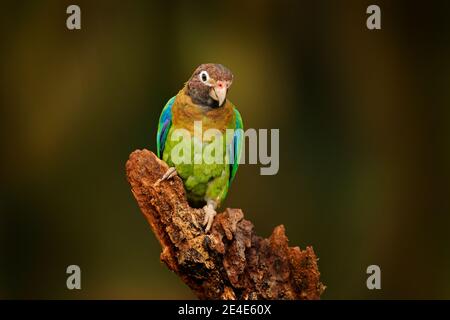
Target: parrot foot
{"type": "Point", "coordinates": [170, 173]}
{"type": "Point", "coordinates": [210, 213]}
{"type": "Point", "coordinates": [194, 221]}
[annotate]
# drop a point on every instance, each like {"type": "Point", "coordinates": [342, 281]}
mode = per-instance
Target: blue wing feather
{"type": "Point", "coordinates": [165, 122]}
{"type": "Point", "coordinates": [236, 145]}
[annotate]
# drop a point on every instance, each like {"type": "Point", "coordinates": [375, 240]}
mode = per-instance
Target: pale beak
{"type": "Point", "coordinates": [219, 92]}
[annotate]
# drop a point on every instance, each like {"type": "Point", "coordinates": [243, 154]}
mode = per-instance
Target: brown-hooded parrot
{"type": "Point", "coordinates": [203, 99]}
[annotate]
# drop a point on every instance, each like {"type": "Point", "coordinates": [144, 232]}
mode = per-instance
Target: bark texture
{"type": "Point", "coordinates": [231, 261]}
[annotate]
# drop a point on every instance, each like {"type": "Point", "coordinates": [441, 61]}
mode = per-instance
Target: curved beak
{"type": "Point", "coordinates": [219, 92]}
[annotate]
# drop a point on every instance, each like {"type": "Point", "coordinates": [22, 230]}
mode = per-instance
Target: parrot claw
{"type": "Point", "coordinates": [170, 173]}
{"type": "Point", "coordinates": [210, 213]}
{"type": "Point", "coordinates": [194, 221]}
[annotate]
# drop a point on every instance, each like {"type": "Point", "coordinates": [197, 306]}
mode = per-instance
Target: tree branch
{"type": "Point", "coordinates": [231, 262]}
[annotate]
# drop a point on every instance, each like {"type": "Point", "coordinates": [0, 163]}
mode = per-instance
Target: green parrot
{"type": "Point", "coordinates": [203, 100]}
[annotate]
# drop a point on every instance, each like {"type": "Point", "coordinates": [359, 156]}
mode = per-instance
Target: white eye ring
{"type": "Point", "coordinates": [203, 76]}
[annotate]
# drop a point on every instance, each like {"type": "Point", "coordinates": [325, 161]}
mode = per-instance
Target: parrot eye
{"type": "Point", "coordinates": [204, 76]}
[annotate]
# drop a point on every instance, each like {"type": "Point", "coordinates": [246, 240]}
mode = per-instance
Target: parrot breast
{"type": "Point", "coordinates": [202, 179]}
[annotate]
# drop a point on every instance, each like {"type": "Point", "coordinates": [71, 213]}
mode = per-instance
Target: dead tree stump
{"type": "Point", "coordinates": [231, 261]}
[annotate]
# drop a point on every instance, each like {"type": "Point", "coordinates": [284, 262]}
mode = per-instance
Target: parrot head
{"type": "Point", "coordinates": [209, 84]}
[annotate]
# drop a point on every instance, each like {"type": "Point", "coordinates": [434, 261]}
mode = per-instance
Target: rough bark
{"type": "Point", "coordinates": [231, 261]}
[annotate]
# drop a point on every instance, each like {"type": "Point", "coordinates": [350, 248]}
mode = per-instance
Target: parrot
{"type": "Point", "coordinates": [203, 98]}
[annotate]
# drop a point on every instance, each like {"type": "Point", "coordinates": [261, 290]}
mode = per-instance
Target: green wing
{"type": "Point", "coordinates": [236, 145]}
{"type": "Point", "coordinates": [164, 124]}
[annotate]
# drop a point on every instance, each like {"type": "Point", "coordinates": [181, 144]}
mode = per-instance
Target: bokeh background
{"type": "Point", "coordinates": [364, 124]}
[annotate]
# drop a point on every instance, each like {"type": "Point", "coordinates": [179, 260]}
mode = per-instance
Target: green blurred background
{"type": "Point", "coordinates": [364, 124]}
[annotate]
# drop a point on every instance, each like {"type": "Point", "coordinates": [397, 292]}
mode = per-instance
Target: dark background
{"type": "Point", "coordinates": [363, 118]}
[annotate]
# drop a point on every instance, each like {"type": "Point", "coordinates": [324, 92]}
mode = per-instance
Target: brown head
{"type": "Point", "coordinates": [209, 84]}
